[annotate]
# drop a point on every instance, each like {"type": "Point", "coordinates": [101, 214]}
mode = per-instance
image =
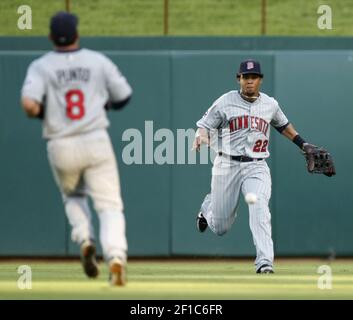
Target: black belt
{"type": "Point", "coordinates": [241, 158]}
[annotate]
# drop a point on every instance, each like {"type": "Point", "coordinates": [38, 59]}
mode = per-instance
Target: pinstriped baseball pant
{"type": "Point", "coordinates": [229, 179]}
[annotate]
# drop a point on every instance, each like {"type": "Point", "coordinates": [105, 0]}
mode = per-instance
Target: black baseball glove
{"type": "Point", "coordinates": [318, 160]}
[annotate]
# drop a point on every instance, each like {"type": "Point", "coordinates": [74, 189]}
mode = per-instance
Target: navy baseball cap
{"type": "Point", "coordinates": [250, 66]}
{"type": "Point", "coordinates": [63, 28]}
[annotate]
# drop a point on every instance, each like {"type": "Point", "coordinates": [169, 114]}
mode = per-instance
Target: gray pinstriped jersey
{"type": "Point", "coordinates": [75, 86]}
{"type": "Point", "coordinates": [243, 128]}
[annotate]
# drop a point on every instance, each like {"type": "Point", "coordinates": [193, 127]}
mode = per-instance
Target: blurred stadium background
{"type": "Point", "coordinates": [177, 66]}
{"type": "Point", "coordinates": [185, 17]}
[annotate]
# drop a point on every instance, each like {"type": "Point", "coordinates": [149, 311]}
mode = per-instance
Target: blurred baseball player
{"type": "Point", "coordinates": [70, 89]}
{"type": "Point", "coordinates": [242, 122]}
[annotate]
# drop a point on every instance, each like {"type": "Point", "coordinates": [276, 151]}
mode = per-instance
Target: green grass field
{"type": "Point", "coordinates": [186, 17]}
{"type": "Point", "coordinates": [173, 279]}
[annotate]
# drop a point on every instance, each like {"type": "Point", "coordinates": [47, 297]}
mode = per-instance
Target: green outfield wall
{"type": "Point", "coordinates": [175, 80]}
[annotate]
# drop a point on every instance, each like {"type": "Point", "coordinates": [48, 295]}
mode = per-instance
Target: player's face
{"type": "Point", "coordinates": [250, 84]}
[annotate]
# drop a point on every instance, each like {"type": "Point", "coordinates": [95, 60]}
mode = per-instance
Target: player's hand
{"type": "Point", "coordinates": [199, 140]}
{"type": "Point", "coordinates": [32, 108]}
{"type": "Point", "coordinates": [196, 144]}
{"type": "Point", "coordinates": [318, 160]}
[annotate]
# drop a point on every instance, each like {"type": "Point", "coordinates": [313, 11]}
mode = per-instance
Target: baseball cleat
{"type": "Point", "coordinates": [88, 259]}
{"type": "Point", "coordinates": [265, 269]}
{"type": "Point", "coordinates": [201, 223]}
{"type": "Point", "coordinates": [117, 272]}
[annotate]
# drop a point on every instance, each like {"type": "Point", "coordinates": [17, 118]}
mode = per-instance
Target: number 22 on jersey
{"type": "Point", "coordinates": [260, 146]}
{"type": "Point", "coordinates": [75, 108]}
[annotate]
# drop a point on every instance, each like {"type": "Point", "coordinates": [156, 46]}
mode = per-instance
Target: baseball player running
{"type": "Point", "coordinates": [242, 122]}
{"type": "Point", "coordinates": [70, 89]}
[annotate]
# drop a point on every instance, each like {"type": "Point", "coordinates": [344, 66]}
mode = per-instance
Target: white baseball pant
{"type": "Point", "coordinates": [84, 165]}
{"type": "Point", "coordinates": [229, 178]}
